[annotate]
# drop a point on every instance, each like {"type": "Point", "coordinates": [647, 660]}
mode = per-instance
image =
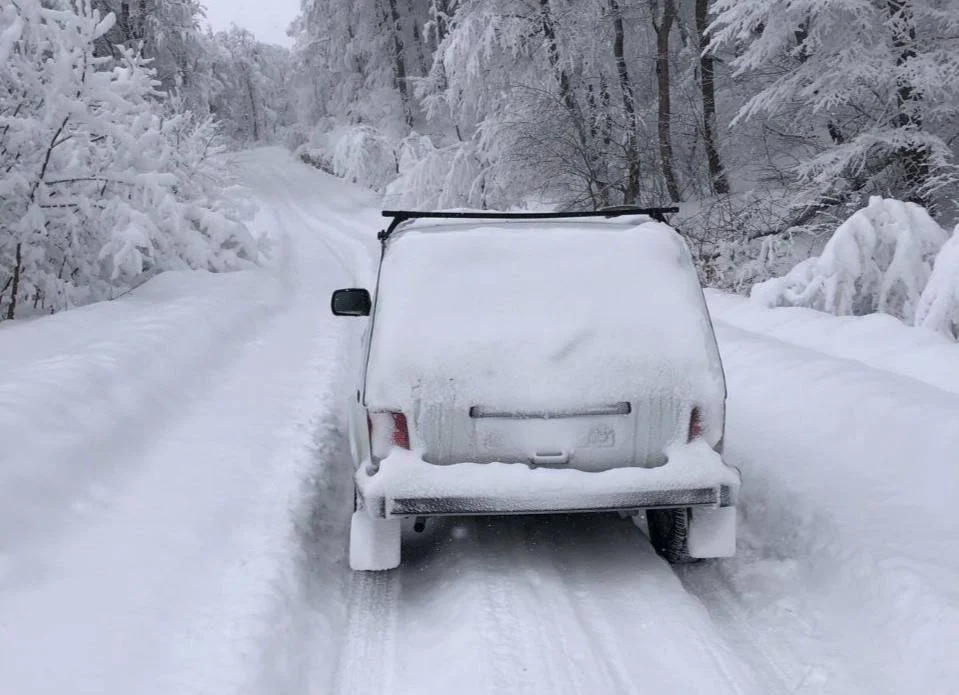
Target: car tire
{"type": "Point", "coordinates": [669, 534]}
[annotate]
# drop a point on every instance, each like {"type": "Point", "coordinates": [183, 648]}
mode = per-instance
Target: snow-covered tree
{"type": "Point", "coordinates": [166, 31]}
{"type": "Point", "coordinates": [871, 87]}
{"type": "Point", "coordinates": [100, 183]}
{"type": "Point", "coordinates": [503, 103]}
{"type": "Point", "coordinates": [250, 88]}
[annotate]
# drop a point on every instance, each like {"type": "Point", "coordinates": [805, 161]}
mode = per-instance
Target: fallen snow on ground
{"type": "Point", "coordinates": [163, 454]}
{"type": "Point", "coordinates": [847, 576]}
{"type": "Point", "coordinates": [80, 389]}
{"type": "Point", "coordinates": [877, 340]}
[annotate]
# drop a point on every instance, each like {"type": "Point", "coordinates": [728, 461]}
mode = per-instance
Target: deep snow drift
{"type": "Point", "coordinates": [847, 570]}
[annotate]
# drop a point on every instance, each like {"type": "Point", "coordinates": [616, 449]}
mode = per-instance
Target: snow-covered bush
{"type": "Point", "coordinates": [938, 307]}
{"type": "Point", "coordinates": [437, 177]}
{"type": "Point", "coordinates": [360, 154]}
{"type": "Point", "coordinates": [735, 238]}
{"type": "Point", "coordinates": [879, 260]}
{"type": "Point", "coordinates": [100, 183]}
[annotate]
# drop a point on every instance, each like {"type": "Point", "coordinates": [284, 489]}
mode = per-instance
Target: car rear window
{"type": "Point", "coordinates": [538, 315]}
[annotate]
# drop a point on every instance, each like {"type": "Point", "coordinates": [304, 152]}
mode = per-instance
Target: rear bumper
{"type": "Point", "coordinates": [390, 507]}
{"type": "Point", "coordinates": [405, 486]}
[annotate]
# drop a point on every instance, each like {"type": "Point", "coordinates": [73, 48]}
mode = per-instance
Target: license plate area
{"type": "Point", "coordinates": [590, 438]}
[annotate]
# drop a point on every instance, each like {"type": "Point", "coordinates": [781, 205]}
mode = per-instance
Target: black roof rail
{"type": "Point", "coordinates": [401, 216]}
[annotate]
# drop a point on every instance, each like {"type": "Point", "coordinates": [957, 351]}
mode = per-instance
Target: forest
{"type": "Point", "coordinates": [768, 121]}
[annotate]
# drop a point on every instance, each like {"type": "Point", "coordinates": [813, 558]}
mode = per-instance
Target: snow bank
{"type": "Point", "coordinates": [848, 504]}
{"type": "Point", "coordinates": [174, 480]}
{"type": "Point", "coordinates": [70, 383]}
{"type": "Point", "coordinates": [880, 259]}
{"type": "Point", "coordinates": [540, 315]}
{"type": "Point", "coordinates": [876, 340]}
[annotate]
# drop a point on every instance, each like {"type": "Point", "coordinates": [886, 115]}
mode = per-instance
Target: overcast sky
{"type": "Point", "coordinates": [268, 19]}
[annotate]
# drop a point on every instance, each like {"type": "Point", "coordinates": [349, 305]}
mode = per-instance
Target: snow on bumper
{"type": "Point", "coordinates": [405, 485]}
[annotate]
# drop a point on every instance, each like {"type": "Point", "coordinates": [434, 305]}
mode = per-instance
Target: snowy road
{"type": "Point", "coordinates": [532, 605]}
{"type": "Point", "coordinates": [198, 546]}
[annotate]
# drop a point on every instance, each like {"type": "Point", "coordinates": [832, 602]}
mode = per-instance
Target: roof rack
{"type": "Point", "coordinates": [401, 216]}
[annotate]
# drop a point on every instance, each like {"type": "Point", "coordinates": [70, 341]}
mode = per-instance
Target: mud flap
{"type": "Point", "coordinates": [712, 532]}
{"type": "Point", "coordinates": [374, 543]}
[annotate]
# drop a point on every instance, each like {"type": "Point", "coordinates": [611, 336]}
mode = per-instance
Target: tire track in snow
{"type": "Point", "coordinates": [541, 579]}
{"type": "Point", "coordinates": [779, 672]}
{"type": "Point", "coordinates": [517, 666]}
{"type": "Point", "coordinates": [366, 663]}
{"type": "Point", "coordinates": [603, 644]}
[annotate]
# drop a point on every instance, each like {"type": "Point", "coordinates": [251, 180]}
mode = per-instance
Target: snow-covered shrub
{"type": "Point", "coordinates": [736, 241]}
{"type": "Point", "coordinates": [938, 307]}
{"type": "Point", "coordinates": [879, 260]}
{"type": "Point", "coordinates": [360, 154]}
{"type": "Point", "coordinates": [437, 177]}
{"type": "Point", "coordinates": [100, 184]}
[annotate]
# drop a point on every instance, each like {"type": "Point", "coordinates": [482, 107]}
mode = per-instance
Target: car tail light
{"type": "Point", "coordinates": [695, 424]}
{"type": "Point", "coordinates": [401, 433]}
{"type": "Point", "coordinates": [388, 429]}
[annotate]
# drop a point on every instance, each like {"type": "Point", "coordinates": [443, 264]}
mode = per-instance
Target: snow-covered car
{"type": "Point", "coordinates": [538, 363]}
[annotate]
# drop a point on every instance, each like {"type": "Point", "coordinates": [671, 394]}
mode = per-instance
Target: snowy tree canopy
{"type": "Point", "coordinates": [766, 119]}
{"type": "Point", "coordinates": [504, 103]}
{"type": "Point", "coordinates": [872, 85]}
{"type": "Point", "coordinates": [102, 181]}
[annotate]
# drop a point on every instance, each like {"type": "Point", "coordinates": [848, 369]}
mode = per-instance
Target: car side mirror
{"type": "Point", "coordinates": [351, 302]}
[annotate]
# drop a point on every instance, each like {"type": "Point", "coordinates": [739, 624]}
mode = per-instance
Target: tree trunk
{"type": "Point", "coordinates": [422, 61]}
{"type": "Point", "coordinates": [569, 101]}
{"type": "Point", "coordinates": [399, 62]}
{"type": "Point", "coordinates": [663, 30]}
{"type": "Point", "coordinates": [441, 17]}
{"type": "Point", "coordinates": [12, 308]}
{"type": "Point", "coordinates": [717, 174]}
{"type": "Point", "coordinates": [915, 158]}
{"type": "Point", "coordinates": [631, 190]}
{"type": "Point", "coordinates": [565, 89]}
{"type": "Point", "coordinates": [253, 113]}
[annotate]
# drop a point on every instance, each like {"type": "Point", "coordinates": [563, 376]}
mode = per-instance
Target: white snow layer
{"type": "Point", "coordinates": [938, 307]}
{"type": "Point", "coordinates": [404, 474]}
{"type": "Point", "coordinates": [848, 450]}
{"type": "Point", "coordinates": [70, 383]}
{"type": "Point", "coordinates": [170, 517]}
{"type": "Point", "coordinates": [539, 315]}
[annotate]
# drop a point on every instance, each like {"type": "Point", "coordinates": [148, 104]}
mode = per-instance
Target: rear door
{"type": "Point", "coordinates": [594, 436]}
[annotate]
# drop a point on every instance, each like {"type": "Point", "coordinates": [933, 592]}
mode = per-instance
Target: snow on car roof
{"type": "Point", "coordinates": [538, 313]}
